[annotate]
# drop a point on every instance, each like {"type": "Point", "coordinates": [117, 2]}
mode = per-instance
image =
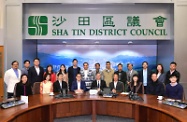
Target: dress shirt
{"type": "Point", "coordinates": [37, 70]}
{"type": "Point", "coordinates": [145, 77]}
{"type": "Point", "coordinates": [78, 85]}
{"type": "Point", "coordinates": [171, 71]}
{"type": "Point", "coordinates": [115, 84]}
{"type": "Point", "coordinates": [158, 75]}
{"type": "Point", "coordinates": [16, 72]}
{"type": "Point", "coordinates": [60, 82]}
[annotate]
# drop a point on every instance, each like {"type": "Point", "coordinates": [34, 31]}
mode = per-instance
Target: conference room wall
{"type": "Point", "coordinates": [1, 22]}
{"type": "Point", "coordinates": [14, 9]}
{"type": "Point", "coordinates": [165, 52]}
{"type": "Point", "coordinates": [180, 40]}
{"type": "Point", "coordinates": [29, 50]}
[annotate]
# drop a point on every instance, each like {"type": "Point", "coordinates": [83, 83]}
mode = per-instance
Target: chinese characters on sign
{"type": "Point", "coordinates": [122, 26]}
{"type": "Point", "coordinates": [160, 21]}
{"type": "Point", "coordinates": [58, 21]}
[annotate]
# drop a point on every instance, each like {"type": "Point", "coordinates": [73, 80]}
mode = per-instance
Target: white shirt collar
{"type": "Point", "coordinates": [78, 85]}
{"type": "Point", "coordinates": [115, 84]}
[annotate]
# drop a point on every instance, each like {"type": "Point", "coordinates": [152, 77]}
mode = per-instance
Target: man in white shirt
{"type": "Point", "coordinates": [87, 76]}
{"type": "Point", "coordinates": [36, 72]}
{"type": "Point", "coordinates": [116, 86]}
{"type": "Point", "coordinates": [11, 77]}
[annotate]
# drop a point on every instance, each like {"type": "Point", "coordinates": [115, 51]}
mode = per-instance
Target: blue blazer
{"type": "Point", "coordinates": [74, 86]}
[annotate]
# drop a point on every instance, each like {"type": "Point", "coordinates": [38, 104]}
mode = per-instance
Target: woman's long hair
{"type": "Point", "coordinates": [60, 71]}
{"type": "Point", "coordinates": [47, 72]}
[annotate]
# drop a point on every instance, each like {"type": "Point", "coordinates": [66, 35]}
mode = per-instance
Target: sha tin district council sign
{"type": "Point", "coordinates": [98, 26]}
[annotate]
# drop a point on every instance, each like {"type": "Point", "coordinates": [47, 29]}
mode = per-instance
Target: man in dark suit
{"type": "Point", "coordinates": [116, 86]}
{"type": "Point", "coordinates": [72, 72]}
{"type": "Point", "coordinates": [78, 86]}
{"type": "Point", "coordinates": [122, 76]}
{"type": "Point", "coordinates": [145, 75]}
{"type": "Point", "coordinates": [98, 83]}
{"type": "Point", "coordinates": [36, 72]}
{"type": "Point", "coordinates": [59, 84]}
{"type": "Point", "coordinates": [155, 87]}
{"type": "Point", "coordinates": [173, 66]}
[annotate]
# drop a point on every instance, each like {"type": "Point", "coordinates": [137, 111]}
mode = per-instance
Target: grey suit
{"type": "Point", "coordinates": [130, 75]}
{"type": "Point", "coordinates": [24, 71]}
{"type": "Point", "coordinates": [162, 78]}
{"type": "Point", "coordinates": [94, 74]}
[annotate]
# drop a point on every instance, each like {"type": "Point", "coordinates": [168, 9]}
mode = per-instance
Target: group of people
{"type": "Point", "coordinates": [20, 82]}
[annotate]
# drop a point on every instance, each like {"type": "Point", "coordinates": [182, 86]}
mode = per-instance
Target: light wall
{"type": "Point", "coordinates": [1, 21]}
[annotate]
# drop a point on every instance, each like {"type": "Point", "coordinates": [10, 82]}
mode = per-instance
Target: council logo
{"type": "Point", "coordinates": [37, 25]}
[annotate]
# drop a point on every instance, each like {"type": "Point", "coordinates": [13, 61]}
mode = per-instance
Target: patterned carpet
{"type": "Point", "coordinates": [99, 119]}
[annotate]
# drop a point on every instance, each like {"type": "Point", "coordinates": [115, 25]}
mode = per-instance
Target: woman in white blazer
{"type": "Point", "coordinates": [11, 77]}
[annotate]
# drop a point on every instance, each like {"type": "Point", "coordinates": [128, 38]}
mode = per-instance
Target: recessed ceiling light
{"type": "Point", "coordinates": [130, 42]}
{"type": "Point", "coordinates": [96, 42]}
{"type": "Point", "coordinates": [64, 42]}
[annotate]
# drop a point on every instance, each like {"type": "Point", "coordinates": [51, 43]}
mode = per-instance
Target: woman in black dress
{"type": "Point", "coordinates": [23, 87]}
{"type": "Point", "coordinates": [136, 86]}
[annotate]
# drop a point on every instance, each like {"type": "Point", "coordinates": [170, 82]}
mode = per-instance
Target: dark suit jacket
{"type": "Point", "coordinates": [119, 86]}
{"type": "Point", "coordinates": [148, 76]}
{"type": "Point", "coordinates": [102, 84]}
{"type": "Point", "coordinates": [162, 78]}
{"type": "Point", "coordinates": [167, 81]}
{"type": "Point", "coordinates": [57, 88]}
{"type": "Point", "coordinates": [33, 76]}
{"type": "Point", "coordinates": [20, 89]}
{"type": "Point", "coordinates": [123, 76]}
{"type": "Point", "coordinates": [74, 86]}
{"type": "Point", "coordinates": [71, 78]}
{"type": "Point", "coordinates": [156, 88]}
{"type": "Point", "coordinates": [138, 89]}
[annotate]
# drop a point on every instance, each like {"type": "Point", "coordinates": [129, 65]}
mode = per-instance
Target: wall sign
{"type": "Point", "coordinates": [97, 26]}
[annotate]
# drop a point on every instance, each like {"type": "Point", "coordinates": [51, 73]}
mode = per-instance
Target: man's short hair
{"type": "Point", "coordinates": [120, 64]}
{"type": "Point", "coordinates": [85, 63]}
{"type": "Point", "coordinates": [36, 59]}
{"type": "Point", "coordinates": [74, 60]}
{"type": "Point", "coordinates": [144, 62]}
{"type": "Point", "coordinates": [26, 61]}
{"type": "Point", "coordinates": [14, 62]}
{"type": "Point", "coordinates": [97, 64]}
{"type": "Point", "coordinates": [108, 62]}
{"type": "Point", "coordinates": [129, 64]}
{"type": "Point", "coordinates": [173, 63]}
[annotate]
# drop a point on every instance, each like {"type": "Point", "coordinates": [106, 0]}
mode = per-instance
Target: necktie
{"type": "Point", "coordinates": [24, 90]}
{"type": "Point", "coordinates": [61, 85]}
{"type": "Point", "coordinates": [98, 85]}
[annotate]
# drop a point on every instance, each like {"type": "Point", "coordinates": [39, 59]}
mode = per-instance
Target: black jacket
{"type": "Point", "coordinates": [57, 88]}
{"type": "Point", "coordinates": [119, 86]}
{"type": "Point", "coordinates": [137, 89]}
{"type": "Point", "coordinates": [155, 88]}
{"type": "Point", "coordinates": [71, 77]}
{"type": "Point", "coordinates": [102, 84]}
{"type": "Point", "coordinates": [123, 76]}
{"type": "Point", "coordinates": [167, 81]}
{"type": "Point", "coordinates": [140, 73]}
{"type": "Point", "coordinates": [20, 89]}
{"type": "Point", "coordinates": [33, 76]}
